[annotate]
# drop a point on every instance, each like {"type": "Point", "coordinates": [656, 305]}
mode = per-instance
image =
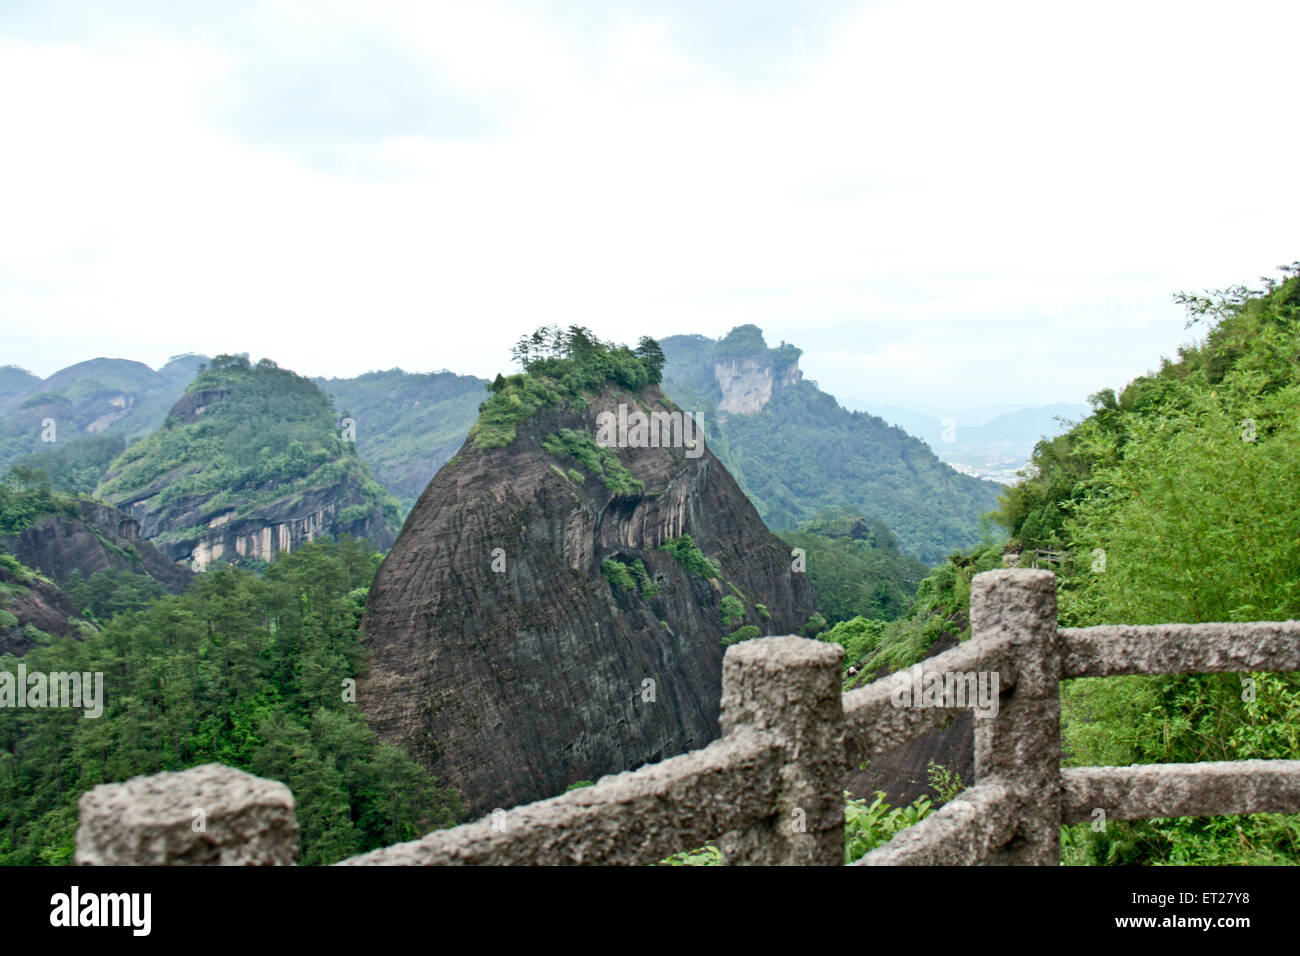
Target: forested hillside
{"type": "Point", "coordinates": [249, 670]}
{"type": "Point", "coordinates": [407, 424]}
{"type": "Point", "coordinates": [250, 461]}
{"type": "Point", "coordinates": [1174, 501]}
{"type": "Point", "coordinates": [798, 454]}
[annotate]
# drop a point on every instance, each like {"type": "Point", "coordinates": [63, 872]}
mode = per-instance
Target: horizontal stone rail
{"type": "Point", "coordinates": [1222, 787]}
{"type": "Point", "coordinates": [769, 790]}
{"type": "Point", "coordinates": [874, 723]}
{"type": "Point", "coordinates": [963, 832]}
{"type": "Point", "coordinates": [636, 817]}
{"type": "Point", "coordinates": [1180, 649]}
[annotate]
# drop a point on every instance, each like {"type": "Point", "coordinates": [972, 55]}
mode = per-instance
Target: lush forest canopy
{"type": "Point", "coordinates": [243, 669]}
{"type": "Point", "coordinates": [856, 568]}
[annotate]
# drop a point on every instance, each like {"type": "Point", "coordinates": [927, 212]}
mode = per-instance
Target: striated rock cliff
{"type": "Point", "coordinates": [99, 538]}
{"type": "Point", "coordinates": [510, 665]}
{"type": "Point", "coordinates": [250, 462]}
{"type": "Point", "coordinates": [746, 383]}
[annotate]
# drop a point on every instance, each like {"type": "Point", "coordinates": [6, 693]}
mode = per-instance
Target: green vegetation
{"type": "Point", "coordinates": [407, 424]}
{"type": "Point", "coordinates": [744, 633]}
{"type": "Point", "coordinates": [254, 436]}
{"type": "Point", "coordinates": [560, 368]}
{"type": "Point", "coordinates": [601, 462]}
{"type": "Point", "coordinates": [733, 611]}
{"type": "Point", "coordinates": [245, 670]}
{"type": "Point", "coordinates": [941, 610]}
{"type": "Point", "coordinates": [26, 496]}
{"type": "Point", "coordinates": [1175, 501]}
{"type": "Point", "coordinates": [633, 578]}
{"type": "Point", "coordinates": [803, 455]}
{"type": "Point", "coordinates": [868, 825]}
{"type": "Point", "coordinates": [95, 406]}
{"type": "Point", "coordinates": [690, 557]}
{"type": "Point", "coordinates": [856, 568]}
{"type": "Point", "coordinates": [76, 466]}
{"type": "Point", "coordinates": [111, 592]}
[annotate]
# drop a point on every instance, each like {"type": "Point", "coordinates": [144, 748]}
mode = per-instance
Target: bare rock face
{"type": "Point", "coordinates": [100, 538]}
{"type": "Point", "coordinates": [747, 383]}
{"type": "Point", "coordinates": [506, 663]}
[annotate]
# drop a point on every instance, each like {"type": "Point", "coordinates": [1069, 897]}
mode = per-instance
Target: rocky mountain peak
{"type": "Point", "coordinates": [747, 371]}
{"type": "Point", "coordinates": [556, 607]}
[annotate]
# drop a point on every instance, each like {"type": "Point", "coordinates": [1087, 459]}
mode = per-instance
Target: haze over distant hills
{"type": "Point", "coordinates": [993, 443]}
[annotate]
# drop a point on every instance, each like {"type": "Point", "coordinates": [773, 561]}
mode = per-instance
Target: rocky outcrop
{"type": "Point", "coordinates": [100, 538]}
{"type": "Point", "coordinates": [248, 464]}
{"type": "Point", "coordinates": [284, 526]}
{"type": "Point", "coordinates": [506, 663]}
{"type": "Point", "coordinates": [747, 383]}
{"type": "Point", "coordinates": [32, 610]}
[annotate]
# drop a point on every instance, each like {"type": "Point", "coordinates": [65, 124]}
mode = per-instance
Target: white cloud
{"type": "Point", "coordinates": [938, 201]}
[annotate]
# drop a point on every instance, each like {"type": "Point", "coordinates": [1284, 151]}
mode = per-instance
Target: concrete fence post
{"type": "Point", "coordinates": [790, 688]}
{"type": "Point", "coordinates": [1021, 745]}
{"type": "Point", "coordinates": [211, 815]}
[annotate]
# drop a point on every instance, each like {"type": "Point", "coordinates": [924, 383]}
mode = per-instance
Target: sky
{"type": "Point", "coordinates": [945, 204]}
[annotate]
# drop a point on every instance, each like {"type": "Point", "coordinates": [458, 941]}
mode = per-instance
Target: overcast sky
{"type": "Point", "coordinates": [944, 204]}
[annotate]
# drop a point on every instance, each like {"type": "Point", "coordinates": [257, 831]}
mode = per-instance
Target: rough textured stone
{"type": "Point", "coordinates": [510, 686]}
{"type": "Point", "coordinates": [874, 724]}
{"type": "Point", "coordinates": [1180, 648]}
{"type": "Point", "coordinates": [1021, 746]}
{"type": "Point", "coordinates": [151, 821]}
{"type": "Point", "coordinates": [963, 832]}
{"type": "Point", "coordinates": [1182, 789]}
{"type": "Point", "coordinates": [636, 817]}
{"type": "Point", "coordinates": [789, 687]}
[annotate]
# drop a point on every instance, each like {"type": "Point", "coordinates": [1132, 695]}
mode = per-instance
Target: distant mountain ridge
{"type": "Point", "coordinates": [798, 454]}
{"type": "Point", "coordinates": [408, 425]}
{"type": "Point", "coordinates": [101, 396]}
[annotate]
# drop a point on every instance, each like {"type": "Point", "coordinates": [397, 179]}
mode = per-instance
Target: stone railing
{"type": "Point", "coordinates": [769, 790]}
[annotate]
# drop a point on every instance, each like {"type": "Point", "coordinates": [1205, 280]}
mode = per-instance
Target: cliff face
{"type": "Point", "coordinates": [503, 659]}
{"type": "Point", "coordinates": [100, 539]}
{"type": "Point", "coordinates": [32, 610]}
{"type": "Point", "coordinates": [249, 462]}
{"type": "Point", "coordinates": [747, 383]}
{"type": "Point", "coordinates": [198, 532]}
